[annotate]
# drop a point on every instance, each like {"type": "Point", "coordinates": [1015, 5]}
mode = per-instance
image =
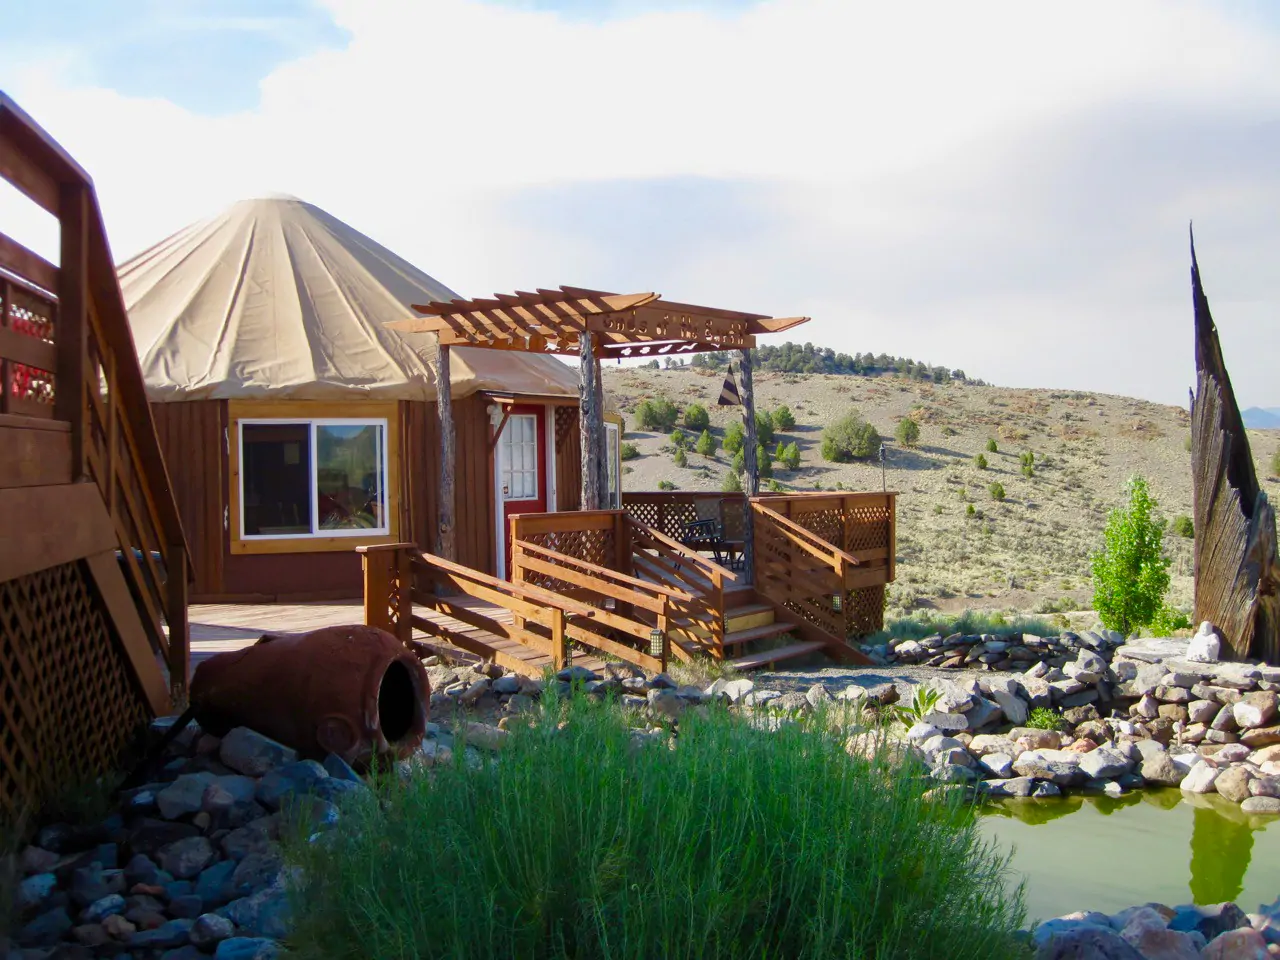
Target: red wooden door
{"type": "Point", "coordinates": [522, 468]}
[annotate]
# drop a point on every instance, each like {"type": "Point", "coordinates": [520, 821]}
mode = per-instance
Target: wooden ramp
{"type": "Point", "coordinates": [218, 628]}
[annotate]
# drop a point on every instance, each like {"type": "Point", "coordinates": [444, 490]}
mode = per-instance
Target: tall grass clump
{"type": "Point", "coordinates": [579, 843]}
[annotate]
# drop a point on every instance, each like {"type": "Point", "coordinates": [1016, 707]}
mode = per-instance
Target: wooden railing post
{"type": "Point", "coordinates": [377, 587]}
{"type": "Point", "coordinates": [71, 331]}
{"type": "Point", "coordinates": [179, 626]}
{"type": "Point", "coordinates": [559, 655]}
{"type": "Point", "coordinates": [404, 595]}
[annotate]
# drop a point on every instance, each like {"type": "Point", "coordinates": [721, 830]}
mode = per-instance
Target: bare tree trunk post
{"type": "Point", "coordinates": [749, 459]}
{"type": "Point", "coordinates": [445, 543]}
{"type": "Point", "coordinates": [587, 420]}
{"type": "Point", "coordinates": [602, 446]}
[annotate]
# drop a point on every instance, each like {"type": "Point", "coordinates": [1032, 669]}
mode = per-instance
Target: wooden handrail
{"type": "Point", "coordinates": [809, 541]}
{"type": "Point", "coordinates": [603, 573]}
{"type": "Point", "coordinates": [717, 573]}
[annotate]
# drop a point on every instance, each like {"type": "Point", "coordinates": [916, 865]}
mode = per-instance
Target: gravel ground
{"type": "Point", "coordinates": [837, 678]}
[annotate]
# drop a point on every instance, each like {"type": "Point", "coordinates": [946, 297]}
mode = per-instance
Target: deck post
{"type": "Point", "coordinates": [377, 587]}
{"type": "Point", "coordinates": [591, 421]}
{"type": "Point", "coordinates": [558, 657]}
{"type": "Point", "coordinates": [749, 459]}
{"type": "Point", "coordinates": [445, 538]}
{"type": "Point", "coordinates": [176, 616]}
{"type": "Point", "coordinates": [71, 330]}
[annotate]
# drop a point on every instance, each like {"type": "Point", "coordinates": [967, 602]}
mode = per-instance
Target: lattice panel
{"type": "Point", "coordinates": [593, 546]}
{"type": "Point", "coordinates": [868, 528]}
{"type": "Point", "coordinates": [864, 611]}
{"type": "Point", "coordinates": [69, 705]}
{"type": "Point", "coordinates": [827, 524]}
{"type": "Point", "coordinates": [645, 513]}
{"type": "Point", "coordinates": [565, 418]}
{"type": "Point", "coordinates": [32, 316]}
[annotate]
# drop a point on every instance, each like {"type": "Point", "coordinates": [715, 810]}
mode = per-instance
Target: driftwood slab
{"type": "Point", "coordinates": [1236, 570]}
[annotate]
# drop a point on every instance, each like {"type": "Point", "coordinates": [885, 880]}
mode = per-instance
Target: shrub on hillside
{"type": "Point", "coordinates": [679, 439]}
{"type": "Point", "coordinates": [666, 485]}
{"type": "Point", "coordinates": [992, 446]}
{"type": "Point", "coordinates": [706, 445]}
{"type": "Point", "coordinates": [790, 456]}
{"type": "Point", "coordinates": [581, 843]}
{"type": "Point", "coordinates": [980, 461]}
{"type": "Point", "coordinates": [908, 432]}
{"type": "Point", "coordinates": [783, 418]}
{"type": "Point", "coordinates": [764, 428]}
{"type": "Point", "coordinates": [997, 491]}
{"type": "Point", "coordinates": [732, 482]}
{"type": "Point", "coordinates": [1275, 464]}
{"type": "Point", "coordinates": [735, 436]}
{"type": "Point", "coordinates": [681, 458]}
{"type": "Point", "coordinates": [1131, 571]}
{"type": "Point", "coordinates": [850, 438]}
{"type": "Point", "coordinates": [628, 451]}
{"type": "Point", "coordinates": [696, 417]}
{"type": "Point", "coordinates": [1183, 526]}
{"type": "Point", "coordinates": [658, 414]}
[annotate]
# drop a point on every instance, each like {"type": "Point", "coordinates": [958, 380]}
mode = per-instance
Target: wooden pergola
{"type": "Point", "coordinates": [594, 325]}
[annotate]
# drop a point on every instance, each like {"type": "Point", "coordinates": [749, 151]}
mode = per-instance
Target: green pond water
{"type": "Point", "coordinates": [1099, 853]}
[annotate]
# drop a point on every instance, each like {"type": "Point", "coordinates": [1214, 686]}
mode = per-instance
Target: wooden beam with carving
{"type": "Point", "coordinates": [1237, 574]}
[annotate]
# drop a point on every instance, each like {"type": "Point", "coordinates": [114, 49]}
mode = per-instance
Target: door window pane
{"type": "Point", "coordinates": [349, 481]}
{"type": "Point", "coordinates": [520, 458]}
{"type": "Point", "coordinates": [276, 478]}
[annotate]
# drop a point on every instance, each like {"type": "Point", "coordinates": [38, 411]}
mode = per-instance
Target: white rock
{"type": "Point", "coordinates": [1200, 779]}
{"type": "Point", "coordinates": [1205, 646]}
{"type": "Point", "coordinates": [735, 690]}
{"type": "Point", "coordinates": [1015, 708]}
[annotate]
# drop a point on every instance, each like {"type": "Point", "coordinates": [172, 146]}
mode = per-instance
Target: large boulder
{"type": "Point", "coordinates": [1255, 709]}
{"type": "Point", "coordinates": [1056, 766]}
{"type": "Point", "coordinates": [1148, 933]}
{"type": "Point", "coordinates": [1159, 769]}
{"type": "Point", "coordinates": [1233, 783]}
{"type": "Point", "coordinates": [1087, 943]}
{"type": "Point", "coordinates": [1105, 764]}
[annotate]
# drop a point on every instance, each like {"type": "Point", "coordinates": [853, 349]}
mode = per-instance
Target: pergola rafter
{"type": "Point", "coordinates": [594, 325]}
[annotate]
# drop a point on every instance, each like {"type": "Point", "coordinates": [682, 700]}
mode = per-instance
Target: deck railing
{"type": "Point", "coordinates": [399, 577]}
{"type": "Point", "coordinates": [828, 557]}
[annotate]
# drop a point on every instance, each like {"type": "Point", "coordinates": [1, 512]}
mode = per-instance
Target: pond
{"type": "Point", "coordinates": [1103, 853]}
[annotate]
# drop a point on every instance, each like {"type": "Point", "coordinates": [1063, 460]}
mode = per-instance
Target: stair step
{"type": "Point", "coordinates": [748, 610]}
{"type": "Point", "coordinates": [738, 637]}
{"type": "Point", "coordinates": [736, 595]}
{"type": "Point", "coordinates": [753, 661]}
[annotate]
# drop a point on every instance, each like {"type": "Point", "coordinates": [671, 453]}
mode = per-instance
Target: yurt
{"type": "Point", "coordinates": [296, 426]}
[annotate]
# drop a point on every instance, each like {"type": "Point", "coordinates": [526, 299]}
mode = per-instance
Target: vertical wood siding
{"type": "Point", "coordinates": [192, 440]}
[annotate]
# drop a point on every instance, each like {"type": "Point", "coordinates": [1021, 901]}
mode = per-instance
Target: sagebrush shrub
{"type": "Point", "coordinates": [850, 438]}
{"type": "Point", "coordinates": [706, 445]}
{"type": "Point", "coordinates": [980, 462]}
{"type": "Point", "coordinates": [658, 414]}
{"type": "Point", "coordinates": [908, 432]}
{"type": "Point", "coordinates": [696, 417]}
{"type": "Point", "coordinates": [782, 418]}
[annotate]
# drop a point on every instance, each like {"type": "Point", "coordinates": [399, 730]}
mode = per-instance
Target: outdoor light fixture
{"type": "Point", "coordinates": [495, 415]}
{"type": "Point", "coordinates": [656, 637]}
{"type": "Point", "coordinates": [837, 602]}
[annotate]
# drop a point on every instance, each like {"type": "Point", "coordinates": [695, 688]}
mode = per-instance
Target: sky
{"type": "Point", "coordinates": [997, 186]}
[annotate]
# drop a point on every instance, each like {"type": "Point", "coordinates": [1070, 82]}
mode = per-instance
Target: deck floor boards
{"type": "Point", "coordinates": [221, 627]}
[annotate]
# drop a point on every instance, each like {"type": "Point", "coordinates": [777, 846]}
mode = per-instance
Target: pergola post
{"type": "Point", "coordinates": [749, 459]}
{"type": "Point", "coordinates": [590, 421]}
{"type": "Point", "coordinates": [445, 541]}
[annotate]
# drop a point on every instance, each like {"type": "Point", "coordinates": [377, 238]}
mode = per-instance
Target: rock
{"type": "Point", "coordinates": [247, 948]}
{"type": "Point", "coordinates": [264, 914]}
{"type": "Point", "coordinates": [884, 694]}
{"type": "Point", "coordinates": [1209, 920]}
{"type": "Point", "coordinates": [1265, 786]}
{"type": "Point", "coordinates": [1255, 710]}
{"type": "Point", "coordinates": [985, 743]}
{"type": "Point", "coordinates": [1205, 646]}
{"type": "Point", "coordinates": [99, 910]}
{"type": "Point", "coordinates": [920, 732]}
{"type": "Point", "coordinates": [296, 778]}
{"type": "Point", "coordinates": [1200, 779]}
{"type": "Point", "coordinates": [188, 906]}
{"type": "Point", "coordinates": [174, 933]}
{"type": "Point", "coordinates": [1056, 766]}
{"type": "Point", "coordinates": [1244, 943]}
{"type": "Point", "coordinates": [938, 744]}
{"type": "Point", "coordinates": [46, 929]}
{"type": "Point", "coordinates": [34, 891]}
{"type": "Point", "coordinates": [183, 953]}
{"type": "Point", "coordinates": [1087, 943]}
{"type": "Point", "coordinates": [1261, 737]}
{"type": "Point", "coordinates": [1173, 711]}
{"type": "Point", "coordinates": [249, 752]}
{"type": "Point", "coordinates": [1014, 708]}
{"type": "Point", "coordinates": [210, 929]}
{"type": "Point", "coordinates": [509, 685]}
{"type": "Point", "coordinates": [184, 795]}
{"type": "Point", "coordinates": [1012, 787]}
{"type": "Point", "coordinates": [1033, 738]}
{"type": "Point", "coordinates": [1233, 784]}
{"type": "Point", "coordinates": [242, 841]}
{"type": "Point", "coordinates": [735, 690]}
{"type": "Point", "coordinates": [999, 765]}
{"type": "Point", "coordinates": [186, 858]}
{"type": "Point", "coordinates": [1147, 932]}
{"type": "Point", "coordinates": [1265, 805]}
{"type": "Point", "coordinates": [215, 887]}
{"type": "Point", "coordinates": [1105, 764]}
{"type": "Point", "coordinates": [665, 703]}
{"type": "Point", "coordinates": [339, 769]}
{"type": "Point", "coordinates": [948, 722]}
{"type": "Point", "coordinates": [1088, 668]}
{"type": "Point", "coordinates": [1161, 770]}
{"type": "Point", "coordinates": [1265, 755]}
{"type": "Point", "coordinates": [1148, 707]}
{"type": "Point", "coordinates": [1202, 711]}
{"type": "Point", "coordinates": [256, 872]}
{"type": "Point", "coordinates": [1172, 694]}
{"type": "Point", "coordinates": [117, 927]}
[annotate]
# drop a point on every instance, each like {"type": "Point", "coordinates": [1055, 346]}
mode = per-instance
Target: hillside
{"type": "Point", "coordinates": [1029, 552]}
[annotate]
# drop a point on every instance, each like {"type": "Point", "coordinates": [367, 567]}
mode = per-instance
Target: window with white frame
{"type": "Point", "coordinates": [313, 478]}
{"type": "Point", "coordinates": [520, 458]}
{"type": "Point", "coordinates": [613, 439]}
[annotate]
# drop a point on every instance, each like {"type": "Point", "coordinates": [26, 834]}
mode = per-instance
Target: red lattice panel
{"type": "Point", "coordinates": [32, 316]}
{"type": "Point", "coordinates": [69, 705]}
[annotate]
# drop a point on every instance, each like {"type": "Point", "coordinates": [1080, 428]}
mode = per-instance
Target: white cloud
{"type": "Point", "coordinates": [1000, 186]}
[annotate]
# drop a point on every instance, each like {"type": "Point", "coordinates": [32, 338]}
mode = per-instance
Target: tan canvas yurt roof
{"type": "Point", "coordinates": [276, 298]}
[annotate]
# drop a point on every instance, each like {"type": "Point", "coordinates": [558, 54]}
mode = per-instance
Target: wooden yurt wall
{"type": "Point", "coordinates": [193, 441]}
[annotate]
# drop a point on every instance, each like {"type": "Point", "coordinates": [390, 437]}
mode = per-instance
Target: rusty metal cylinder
{"type": "Point", "coordinates": [355, 691]}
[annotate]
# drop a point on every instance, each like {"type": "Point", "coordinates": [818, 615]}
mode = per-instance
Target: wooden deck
{"type": "Point", "coordinates": [220, 627]}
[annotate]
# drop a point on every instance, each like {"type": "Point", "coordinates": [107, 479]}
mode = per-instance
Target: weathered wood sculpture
{"type": "Point", "coordinates": [1236, 571]}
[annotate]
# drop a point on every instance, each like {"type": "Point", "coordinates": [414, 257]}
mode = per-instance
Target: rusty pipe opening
{"type": "Point", "coordinates": [399, 704]}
